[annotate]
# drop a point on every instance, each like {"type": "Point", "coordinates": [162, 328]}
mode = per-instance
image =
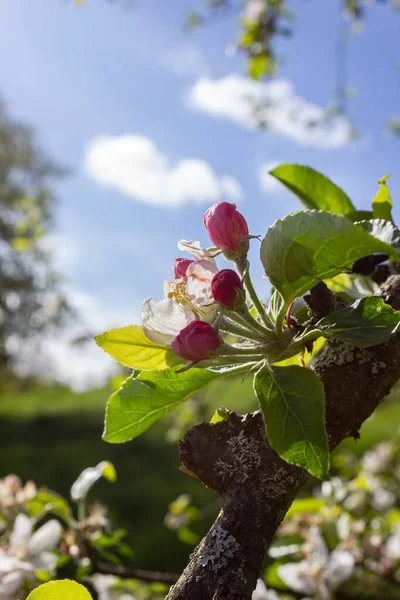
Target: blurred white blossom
{"type": "Point", "coordinates": [320, 572]}
{"type": "Point", "coordinates": [26, 553]}
{"type": "Point", "coordinates": [105, 586]}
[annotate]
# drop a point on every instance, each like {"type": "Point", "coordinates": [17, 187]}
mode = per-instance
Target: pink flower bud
{"type": "Point", "coordinates": [180, 267]}
{"type": "Point", "coordinates": [225, 288]}
{"type": "Point", "coordinates": [225, 226]}
{"type": "Point", "coordinates": [197, 341]}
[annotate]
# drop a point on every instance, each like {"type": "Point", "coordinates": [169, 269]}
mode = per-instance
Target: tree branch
{"type": "Point", "coordinates": [257, 487]}
{"type": "Point", "coordinates": [141, 574]}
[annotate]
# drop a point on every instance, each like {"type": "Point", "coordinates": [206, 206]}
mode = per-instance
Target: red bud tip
{"type": "Point", "coordinates": [180, 267]}
{"type": "Point", "coordinates": [225, 287]}
{"type": "Point", "coordinates": [225, 226]}
{"type": "Point", "coordinates": [197, 341]}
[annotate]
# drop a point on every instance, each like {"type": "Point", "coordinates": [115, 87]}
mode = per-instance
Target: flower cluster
{"type": "Point", "coordinates": [349, 541]}
{"type": "Point", "coordinates": [203, 301]}
{"type": "Point", "coordinates": [41, 539]}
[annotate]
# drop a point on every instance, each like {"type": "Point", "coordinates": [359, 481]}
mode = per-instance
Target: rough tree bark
{"type": "Point", "coordinates": [257, 487]}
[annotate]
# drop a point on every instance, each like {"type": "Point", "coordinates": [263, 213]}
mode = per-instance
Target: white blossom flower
{"type": "Point", "coordinates": [163, 320]}
{"type": "Point", "coordinates": [105, 586]}
{"type": "Point", "coordinates": [27, 552]}
{"type": "Point", "coordinates": [262, 593]}
{"type": "Point", "coordinates": [14, 494]}
{"type": "Point", "coordinates": [87, 478]}
{"type": "Point", "coordinates": [254, 10]}
{"type": "Point", "coordinates": [378, 459]}
{"type": "Point", "coordinates": [392, 546]}
{"type": "Point", "coordinates": [321, 571]}
{"type": "Point", "coordinates": [185, 299]}
{"type": "Point", "coordinates": [383, 499]}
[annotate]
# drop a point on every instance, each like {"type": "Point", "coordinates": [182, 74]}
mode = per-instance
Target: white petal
{"type": "Point", "coordinates": [10, 584]}
{"type": "Point", "coordinates": [163, 320]}
{"type": "Point", "coordinates": [393, 545]}
{"type": "Point", "coordinates": [45, 538]}
{"type": "Point", "coordinates": [319, 550]}
{"type": "Point", "coordinates": [86, 479]}
{"type": "Point", "coordinates": [10, 563]}
{"type": "Point", "coordinates": [262, 593]}
{"type": "Point", "coordinates": [195, 249]}
{"type": "Point", "coordinates": [297, 576]}
{"type": "Point", "coordinates": [198, 287]}
{"type": "Point", "coordinates": [45, 561]}
{"type": "Point", "coordinates": [21, 533]}
{"type": "Point", "coordinates": [103, 582]}
{"type": "Point", "coordinates": [169, 287]}
{"type": "Point", "coordinates": [339, 569]}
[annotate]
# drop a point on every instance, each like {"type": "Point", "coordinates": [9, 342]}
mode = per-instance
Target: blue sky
{"type": "Point", "coordinates": [79, 75]}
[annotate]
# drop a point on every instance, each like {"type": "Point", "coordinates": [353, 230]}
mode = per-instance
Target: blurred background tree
{"type": "Point", "coordinates": [31, 299]}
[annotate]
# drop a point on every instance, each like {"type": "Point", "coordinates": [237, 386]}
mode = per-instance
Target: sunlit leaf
{"type": "Point", "coordinates": [382, 202]}
{"type": "Point", "coordinates": [308, 246]}
{"type": "Point", "coordinates": [146, 397]}
{"type": "Point", "coordinates": [60, 590]}
{"type": "Point", "coordinates": [313, 189]}
{"type": "Point", "coordinates": [305, 505]}
{"type": "Point", "coordinates": [293, 404]}
{"type": "Point", "coordinates": [52, 502]}
{"type": "Point", "coordinates": [130, 347]}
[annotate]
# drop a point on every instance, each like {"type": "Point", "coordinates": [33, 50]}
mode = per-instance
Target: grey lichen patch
{"type": "Point", "coordinates": [244, 459]}
{"type": "Point", "coordinates": [276, 483]}
{"type": "Point", "coordinates": [365, 355]}
{"type": "Point", "coordinates": [221, 547]}
{"type": "Point", "coordinates": [339, 353]}
{"type": "Point", "coordinates": [240, 575]}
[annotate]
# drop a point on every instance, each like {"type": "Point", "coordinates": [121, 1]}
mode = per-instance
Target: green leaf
{"type": "Point", "coordinates": [313, 189]}
{"type": "Point", "coordinates": [60, 590]}
{"type": "Point", "coordinates": [130, 346]}
{"type": "Point", "coordinates": [221, 414]}
{"type": "Point", "coordinates": [305, 505]}
{"type": "Point", "coordinates": [359, 215]}
{"type": "Point", "coordinates": [52, 502]}
{"type": "Point", "coordinates": [259, 65]}
{"type": "Point", "coordinates": [382, 203]}
{"type": "Point", "coordinates": [367, 322]}
{"type": "Point", "coordinates": [308, 246]}
{"type": "Point", "coordinates": [292, 402]}
{"type": "Point", "coordinates": [275, 305]}
{"type": "Point", "coordinates": [146, 397]}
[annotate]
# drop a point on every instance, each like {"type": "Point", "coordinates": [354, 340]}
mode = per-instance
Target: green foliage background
{"type": "Point", "coordinates": [51, 434]}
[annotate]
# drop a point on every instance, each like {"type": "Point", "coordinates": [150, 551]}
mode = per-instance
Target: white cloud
{"type": "Point", "coordinates": [134, 166]}
{"type": "Point", "coordinates": [186, 61]}
{"type": "Point", "coordinates": [267, 182]}
{"type": "Point", "coordinates": [248, 102]}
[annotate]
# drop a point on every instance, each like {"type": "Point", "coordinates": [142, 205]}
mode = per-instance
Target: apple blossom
{"type": "Point", "coordinates": [227, 228]}
{"type": "Point", "coordinates": [107, 587]}
{"type": "Point", "coordinates": [227, 288]}
{"type": "Point", "coordinates": [321, 571]}
{"type": "Point", "coordinates": [27, 553]}
{"type": "Point", "coordinates": [197, 341]}
{"type": "Point", "coordinates": [181, 266]}
{"type": "Point", "coordinates": [187, 298]}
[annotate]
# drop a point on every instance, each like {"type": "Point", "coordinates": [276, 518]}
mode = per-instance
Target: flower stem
{"type": "Point", "coordinates": [242, 266]}
{"type": "Point", "coordinates": [237, 328]}
{"type": "Point", "coordinates": [229, 350]}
